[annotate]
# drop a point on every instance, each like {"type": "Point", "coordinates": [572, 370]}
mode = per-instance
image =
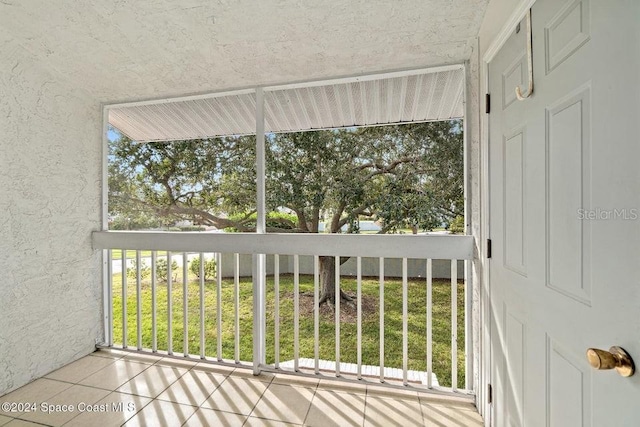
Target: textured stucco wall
{"type": "Point", "coordinates": [50, 159]}
{"type": "Point", "coordinates": [58, 60]}
{"type": "Point", "coordinates": [123, 50]}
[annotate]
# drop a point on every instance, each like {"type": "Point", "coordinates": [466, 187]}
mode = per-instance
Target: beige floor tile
{"type": "Point", "coordinates": [261, 422]}
{"type": "Point", "coordinates": [110, 354]}
{"type": "Point", "coordinates": [112, 411]}
{"type": "Point", "coordinates": [237, 395]}
{"type": "Point", "coordinates": [441, 415]}
{"type": "Point", "coordinates": [57, 414]}
{"type": "Point", "coordinates": [211, 367]}
{"type": "Point", "coordinates": [160, 413]}
{"type": "Point", "coordinates": [80, 369]}
{"type": "Point", "coordinates": [384, 412]}
{"type": "Point", "coordinates": [23, 423]}
{"type": "Point", "coordinates": [343, 386]}
{"type": "Point", "coordinates": [392, 393]}
{"type": "Point", "coordinates": [228, 395]}
{"type": "Point", "coordinates": [248, 373]}
{"type": "Point", "coordinates": [114, 375]}
{"type": "Point", "coordinates": [143, 358]}
{"type": "Point", "coordinates": [284, 403]}
{"type": "Point", "coordinates": [330, 408]}
{"type": "Point", "coordinates": [290, 379]}
{"type": "Point", "coordinates": [36, 391]}
{"type": "Point", "coordinates": [461, 401]}
{"type": "Point", "coordinates": [186, 363]}
{"type": "Point", "coordinates": [204, 417]}
{"type": "Point", "coordinates": [153, 381]}
{"type": "Point", "coordinates": [193, 388]}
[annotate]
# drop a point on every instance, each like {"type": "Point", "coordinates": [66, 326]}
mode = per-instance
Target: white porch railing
{"type": "Point", "coordinates": [178, 246]}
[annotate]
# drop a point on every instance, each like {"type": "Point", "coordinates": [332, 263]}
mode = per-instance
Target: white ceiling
{"type": "Point", "coordinates": [120, 50]}
{"type": "Point", "coordinates": [420, 96]}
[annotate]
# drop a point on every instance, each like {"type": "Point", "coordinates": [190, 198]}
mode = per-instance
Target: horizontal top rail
{"type": "Point", "coordinates": [379, 245]}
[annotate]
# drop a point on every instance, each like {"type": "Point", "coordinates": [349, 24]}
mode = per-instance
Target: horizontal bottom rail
{"type": "Point", "coordinates": [303, 372]}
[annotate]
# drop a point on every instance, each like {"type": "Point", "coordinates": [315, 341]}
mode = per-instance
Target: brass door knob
{"type": "Point", "coordinates": [616, 358]}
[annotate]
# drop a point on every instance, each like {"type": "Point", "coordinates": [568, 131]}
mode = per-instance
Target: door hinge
{"type": "Point", "coordinates": [488, 248]}
{"type": "Point", "coordinates": [489, 394]}
{"type": "Point", "coordinates": [487, 103]}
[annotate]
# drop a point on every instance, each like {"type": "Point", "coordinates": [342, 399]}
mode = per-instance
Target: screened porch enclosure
{"type": "Point", "coordinates": [283, 328]}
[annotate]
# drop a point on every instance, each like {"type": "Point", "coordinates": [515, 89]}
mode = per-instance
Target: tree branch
{"type": "Point", "coordinates": [354, 213]}
{"type": "Point", "coordinates": [335, 220]}
{"type": "Point", "coordinates": [302, 220]}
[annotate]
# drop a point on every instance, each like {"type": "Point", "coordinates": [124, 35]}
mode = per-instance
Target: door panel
{"type": "Point", "coordinates": [568, 160]}
{"type": "Point", "coordinates": [515, 191]}
{"type": "Point", "coordinates": [564, 198]}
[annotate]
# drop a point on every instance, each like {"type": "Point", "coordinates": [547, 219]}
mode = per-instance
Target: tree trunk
{"type": "Point", "coordinates": [328, 282]}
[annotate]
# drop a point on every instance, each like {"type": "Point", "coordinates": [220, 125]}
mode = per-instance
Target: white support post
{"type": "Point", "coordinates": [381, 319]}
{"type": "Point", "coordinates": [276, 309]}
{"type": "Point", "coordinates": [138, 301]}
{"type": "Point", "coordinates": [123, 274]}
{"type": "Point", "coordinates": [107, 267]}
{"type": "Point", "coordinates": [296, 313]}
{"type": "Point", "coordinates": [108, 298]}
{"type": "Point", "coordinates": [429, 323]}
{"type": "Point", "coordinates": [202, 299]}
{"type": "Point", "coordinates": [219, 306]}
{"type": "Point", "coordinates": [259, 260]}
{"type": "Point", "coordinates": [154, 301]}
{"type": "Point", "coordinates": [405, 323]}
{"type": "Point", "coordinates": [469, 332]}
{"type": "Point", "coordinates": [236, 307]}
{"type": "Point", "coordinates": [454, 325]}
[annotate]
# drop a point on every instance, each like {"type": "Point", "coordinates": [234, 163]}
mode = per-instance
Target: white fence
{"type": "Point", "coordinates": [382, 256]}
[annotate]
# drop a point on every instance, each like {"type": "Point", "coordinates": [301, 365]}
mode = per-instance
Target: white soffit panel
{"type": "Point", "coordinates": [415, 97]}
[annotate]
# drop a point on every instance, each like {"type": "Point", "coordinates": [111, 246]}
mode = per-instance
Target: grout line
{"type": "Point", "coordinates": [269, 419]}
{"type": "Point", "coordinates": [241, 375]}
{"type": "Point", "coordinates": [191, 416]}
{"type": "Point", "coordinates": [139, 409]}
{"type": "Point", "coordinates": [315, 392]}
{"type": "Point", "coordinates": [116, 389]}
{"type": "Point", "coordinates": [422, 409]}
{"type": "Point", "coordinates": [258, 401]}
{"type": "Point", "coordinates": [76, 361]}
{"type": "Point", "coordinates": [34, 422]}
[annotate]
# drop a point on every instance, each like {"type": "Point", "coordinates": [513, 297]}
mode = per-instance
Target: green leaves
{"type": "Point", "coordinates": [401, 175]}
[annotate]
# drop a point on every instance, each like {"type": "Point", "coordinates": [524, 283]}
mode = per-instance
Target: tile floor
{"type": "Point", "coordinates": [111, 388]}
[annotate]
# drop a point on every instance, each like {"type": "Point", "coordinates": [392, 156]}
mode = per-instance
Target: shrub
{"type": "Point", "coordinates": [145, 270]}
{"type": "Point", "coordinates": [457, 225]}
{"type": "Point", "coordinates": [209, 268]}
{"type": "Point", "coordinates": [191, 228]}
{"type": "Point", "coordinates": [274, 220]}
{"type": "Point", "coordinates": [161, 269]}
{"type": "Point", "coordinates": [139, 222]}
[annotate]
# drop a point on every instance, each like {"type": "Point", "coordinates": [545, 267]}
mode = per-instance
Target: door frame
{"type": "Point", "coordinates": [496, 44]}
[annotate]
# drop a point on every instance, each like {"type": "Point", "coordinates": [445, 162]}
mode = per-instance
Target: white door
{"type": "Point", "coordinates": [564, 216]}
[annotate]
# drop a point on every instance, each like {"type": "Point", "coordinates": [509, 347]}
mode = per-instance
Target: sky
{"type": "Point", "coordinates": [113, 134]}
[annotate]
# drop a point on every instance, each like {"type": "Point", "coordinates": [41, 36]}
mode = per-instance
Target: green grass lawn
{"type": "Point", "coordinates": [370, 322]}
